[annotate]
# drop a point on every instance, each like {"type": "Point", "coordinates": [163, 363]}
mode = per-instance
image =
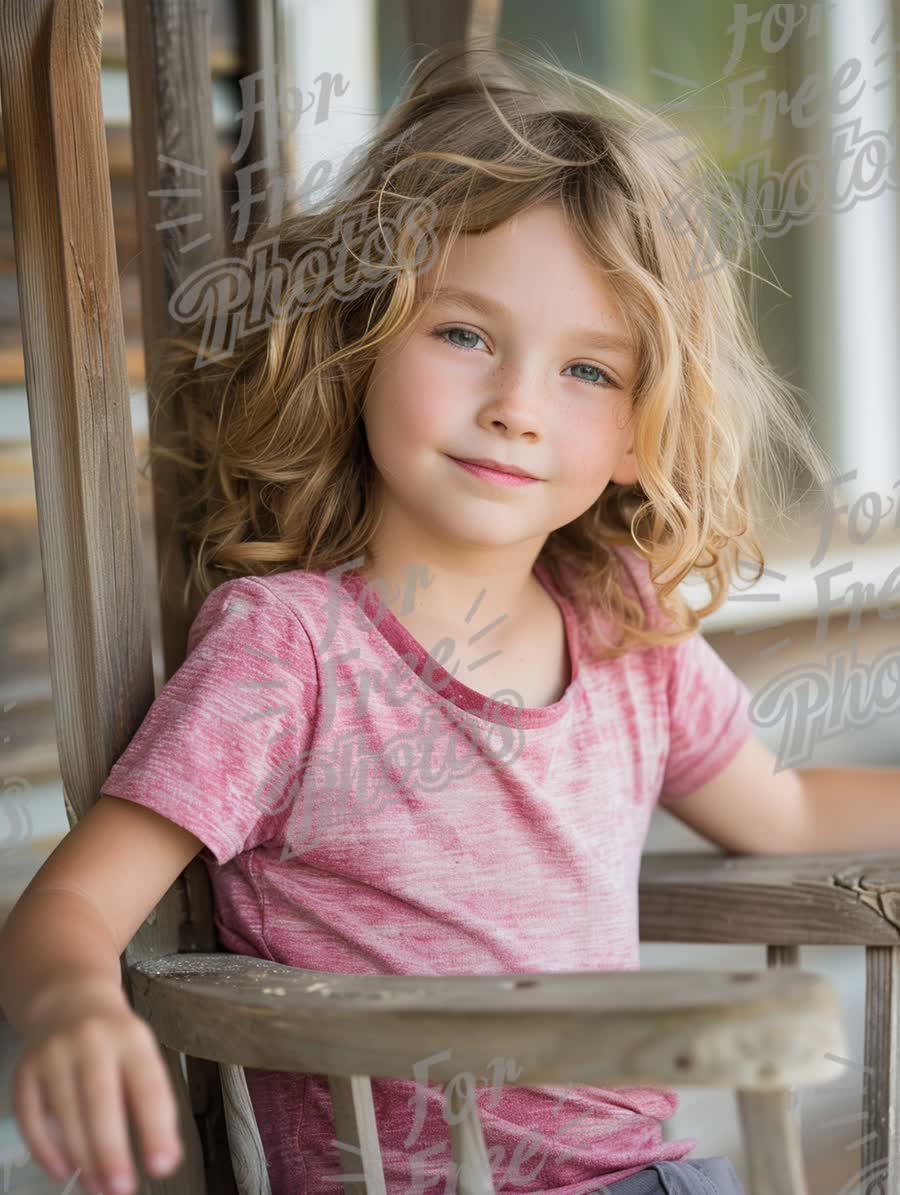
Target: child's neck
{"type": "Point", "coordinates": [440, 602]}
{"type": "Point", "coordinates": [496, 636]}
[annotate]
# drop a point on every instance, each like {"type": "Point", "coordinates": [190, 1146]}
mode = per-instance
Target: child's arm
{"type": "Point", "coordinates": [59, 967]}
{"type": "Point", "coordinates": [86, 903]}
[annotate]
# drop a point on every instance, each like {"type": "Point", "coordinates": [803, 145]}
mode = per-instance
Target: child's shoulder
{"type": "Point", "coordinates": [296, 604]}
{"type": "Point", "coordinates": [257, 605]}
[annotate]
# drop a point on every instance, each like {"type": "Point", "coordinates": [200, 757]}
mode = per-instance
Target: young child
{"type": "Point", "coordinates": [438, 674]}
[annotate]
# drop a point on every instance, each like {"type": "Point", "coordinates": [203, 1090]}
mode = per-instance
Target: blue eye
{"type": "Point", "coordinates": [465, 331]}
{"type": "Point", "coordinates": [443, 333]}
{"type": "Point", "coordinates": [586, 365]}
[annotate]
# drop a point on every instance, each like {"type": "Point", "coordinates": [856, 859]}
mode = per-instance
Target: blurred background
{"type": "Point", "coordinates": [798, 104]}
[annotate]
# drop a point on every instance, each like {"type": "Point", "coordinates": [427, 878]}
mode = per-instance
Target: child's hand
{"type": "Point", "coordinates": [82, 1070]}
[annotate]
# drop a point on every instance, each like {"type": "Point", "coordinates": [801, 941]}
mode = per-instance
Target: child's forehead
{"type": "Point", "coordinates": [540, 236]}
{"type": "Point", "coordinates": [487, 273]}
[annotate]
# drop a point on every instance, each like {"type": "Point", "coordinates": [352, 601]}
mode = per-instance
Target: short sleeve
{"type": "Point", "coordinates": [709, 716]}
{"type": "Point", "coordinates": [228, 723]}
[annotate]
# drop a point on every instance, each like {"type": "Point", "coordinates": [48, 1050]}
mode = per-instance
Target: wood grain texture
{"type": "Point", "coordinates": [880, 1120]}
{"type": "Point", "coordinates": [248, 1159]}
{"type": "Point", "coordinates": [786, 900]}
{"type": "Point", "coordinates": [80, 418]}
{"type": "Point", "coordinates": [760, 1030]}
{"type": "Point", "coordinates": [31, 754]}
{"type": "Point", "coordinates": [180, 222]}
{"type": "Point", "coordinates": [77, 390]}
{"type": "Point", "coordinates": [225, 44]}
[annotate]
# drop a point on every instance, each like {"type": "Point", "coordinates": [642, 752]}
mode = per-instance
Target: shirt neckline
{"type": "Point", "coordinates": [502, 708]}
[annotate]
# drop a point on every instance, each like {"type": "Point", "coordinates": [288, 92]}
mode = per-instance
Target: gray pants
{"type": "Point", "coordinates": [692, 1176]}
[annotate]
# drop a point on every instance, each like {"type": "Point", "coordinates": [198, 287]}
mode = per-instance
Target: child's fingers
{"type": "Point", "coordinates": [149, 1093]}
{"type": "Point", "coordinates": [101, 1089]}
{"type": "Point", "coordinates": [76, 1093]}
{"type": "Point", "coordinates": [61, 1099]}
{"type": "Point", "coordinates": [33, 1126]}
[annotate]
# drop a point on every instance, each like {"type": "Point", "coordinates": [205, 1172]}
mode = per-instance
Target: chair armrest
{"type": "Point", "coordinates": [757, 1030]}
{"type": "Point", "coordinates": [778, 900]}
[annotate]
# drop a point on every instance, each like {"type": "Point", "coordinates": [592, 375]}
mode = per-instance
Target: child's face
{"type": "Point", "coordinates": [524, 386]}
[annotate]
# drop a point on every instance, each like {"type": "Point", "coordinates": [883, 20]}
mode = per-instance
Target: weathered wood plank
{"type": "Point", "coordinates": [771, 1143]}
{"type": "Point", "coordinates": [76, 383]}
{"type": "Point", "coordinates": [248, 1160]}
{"type": "Point", "coordinates": [265, 149]}
{"type": "Point", "coordinates": [12, 372]}
{"type": "Point", "coordinates": [180, 218]}
{"type": "Point", "coordinates": [483, 20]}
{"type": "Point", "coordinates": [759, 1030]}
{"type": "Point", "coordinates": [120, 153]}
{"type": "Point", "coordinates": [180, 221]}
{"type": "Point", "coordinates": [80, 418]}
{"type": "Point", "coordinates": [880, 1119]}
{"type": "Point", "coordinates": [31, 754]}
{"type": "Point", "coordinates": [786, 900]}
{"type": "Point", "coordinates": [225, 57]}
{"type": "Point", "coordinates": [431, 25]}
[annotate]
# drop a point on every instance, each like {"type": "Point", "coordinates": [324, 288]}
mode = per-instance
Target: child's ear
{"type": "Point", "coordinates": [625, 472]}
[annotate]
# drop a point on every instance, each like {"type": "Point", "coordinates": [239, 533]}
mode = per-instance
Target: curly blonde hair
{"type": "Point", "coordinates": [277, 473]}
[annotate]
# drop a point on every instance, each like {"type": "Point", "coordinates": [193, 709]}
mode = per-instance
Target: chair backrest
{"type": "Point", "coordinates": [79, 406]}
{"type": "Point", "coordinates": [78, 393]}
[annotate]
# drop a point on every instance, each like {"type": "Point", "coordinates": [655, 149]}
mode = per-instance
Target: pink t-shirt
{"type": "Point", "coordinates": [364, 811]}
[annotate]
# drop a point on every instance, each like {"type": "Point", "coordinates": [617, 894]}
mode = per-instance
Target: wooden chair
{"type": "Point", "coordinates": [214, 1013]}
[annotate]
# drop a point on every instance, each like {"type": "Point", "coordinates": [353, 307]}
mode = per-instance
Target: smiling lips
{"type": "Point", "coordinates": [496, 473]}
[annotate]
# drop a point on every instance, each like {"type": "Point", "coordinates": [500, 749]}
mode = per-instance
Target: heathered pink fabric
{"type": "Point", "coordinates": [468, 837]}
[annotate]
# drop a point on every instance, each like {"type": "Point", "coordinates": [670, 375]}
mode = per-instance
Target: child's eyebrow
{"type": "Point", "coordinates": [600, 340]}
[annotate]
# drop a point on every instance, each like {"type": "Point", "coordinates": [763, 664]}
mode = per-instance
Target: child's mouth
{"type": "Point", "coordinates": [494, 476]}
